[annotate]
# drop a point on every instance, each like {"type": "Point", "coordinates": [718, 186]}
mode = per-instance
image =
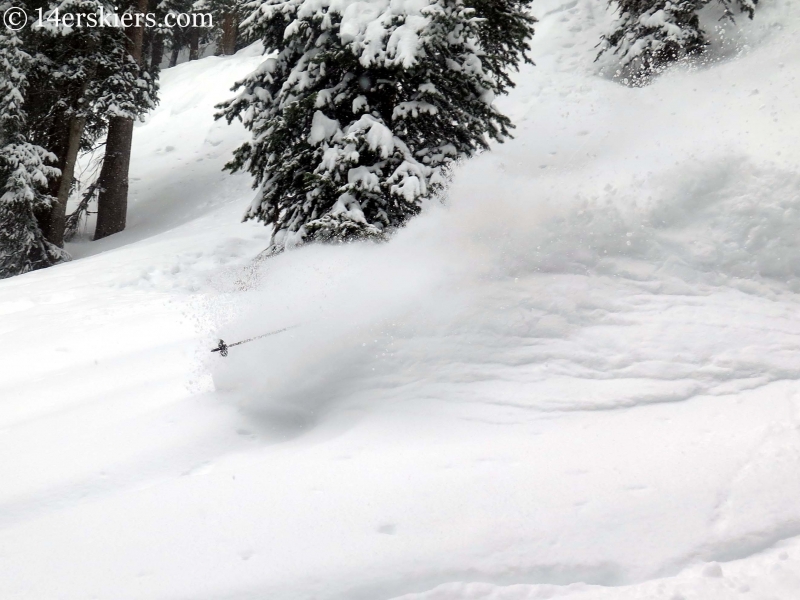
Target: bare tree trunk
{"type": "Point", "coordinates": [173, 57]}
{"type": "Point", "coordinates": [112, 199]}
{"type": "Point", "coordinates": [194, 44]}
{"type": "Point", "coordinates": [136, 34]}
{"type": "Point", "coordinates": [157, 54]}
{"type": "Point", "coordinates": [229, 30]}
{"type": "Point", "coordinates": [58, 213]}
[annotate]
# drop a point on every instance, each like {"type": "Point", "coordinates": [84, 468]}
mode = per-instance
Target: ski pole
{"type": "Point", "coordinates": [222, 348]}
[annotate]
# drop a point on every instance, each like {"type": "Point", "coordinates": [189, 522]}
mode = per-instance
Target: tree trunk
{"type": "Point", "coordinates": [157, 54]}
{"type": "Point", "coordinates": [58, 213]}
{"type": "Point", "coordinates": [63, 138]}
{"type": "Point", "coordinates": [229, 30]}
{"type": "Point", "coordinates": [173, 57]}
{"type": "Point", "coordinates": [194, 44]}
{"type": "Point", "coordinates": [112, 199]}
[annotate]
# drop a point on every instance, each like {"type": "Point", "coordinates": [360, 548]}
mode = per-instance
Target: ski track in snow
{"type": "Point", "coordinates": [579, 379]}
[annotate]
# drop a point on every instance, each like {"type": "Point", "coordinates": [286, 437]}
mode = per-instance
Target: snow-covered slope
{"type": "Point", "coordinates": [578, 379]}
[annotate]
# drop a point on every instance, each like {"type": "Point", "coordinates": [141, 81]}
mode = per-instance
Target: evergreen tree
{"type": "Point", "coordinates": [227, 14]}
{"type": "Point", "coordinates": [747, 7]}
{"type": "Point", "coordinates": [156, 38]}
{"type": "Point", "coordinates": [24, 169]}
{"type": "Point", "coordinates": [187, 35]}
{"type": "Point", "coordinates": [505, 29]}
{"type": "Point", "coordinates": [80, 78]}
{"type": "Point", "coordinates": [650, 34]}
{"type": "Point", "coordinates": [366, 107]}
{"type": "Point", "coordinates": [61, 87]}
{"type": "Point", "coordinates": [177, 37]}
{"type": "Point", "coordinates": [131, 90]}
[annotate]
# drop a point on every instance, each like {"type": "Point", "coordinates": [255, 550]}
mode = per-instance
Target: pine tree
{"type": "Point", "coordinates": [650, 34]}
{"type": "Point", "coordinates": [747, 7]}
{"type": "Point", "coordinates": [24, 169]}
{"type": "Point", "coordinates": [62, 86]}
{"type": "Point", "coordinates": [190, 35]}
{"type": "Point", "coordinates": [176, 37]}
{"type": "Point", "coordinates": [504, 30]}
{"type": "Point", "coordinates": [80, 78]}
{"type": "Point", "coordinates": [131, 92]}
{"type": "Point", "coordinates": [365, 108]}
{"type": "Point", "coordinates": [227, 14]}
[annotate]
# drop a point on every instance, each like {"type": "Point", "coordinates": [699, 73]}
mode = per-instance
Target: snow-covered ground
{"type": "Point", "coordinates": [579, 379]}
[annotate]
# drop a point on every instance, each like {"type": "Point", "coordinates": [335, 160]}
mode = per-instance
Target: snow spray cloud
{"type": "Point", "coordinates": [15, 19]}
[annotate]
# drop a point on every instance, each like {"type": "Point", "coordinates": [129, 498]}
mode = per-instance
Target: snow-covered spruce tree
{"type": "Point", "coordinates": [504, 30]}
{"type": "Point", "coordinates": [24, 169]}
{"type": "Point", "coordinates": [227, 14]}
{"type": "Point", "coordinates": [129, 91]}
{"type": "Point", "coordinates": [747, 7]}
{"type": "Point", "coordinates": [366, 106]}
{"type": "Point", "coordinates": [650, 34]}
{"type": "Point", "coordinates": [80, 78]}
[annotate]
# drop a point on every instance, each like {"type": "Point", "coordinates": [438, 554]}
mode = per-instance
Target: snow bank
{"type": "Point", "coordinates": [763, 576]}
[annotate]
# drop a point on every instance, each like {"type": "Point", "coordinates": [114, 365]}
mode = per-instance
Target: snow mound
{"type": "Point", "coordinates": [773, 572]}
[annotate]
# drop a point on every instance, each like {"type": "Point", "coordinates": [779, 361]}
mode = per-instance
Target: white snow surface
{"type": "Point", "coordinates": [577, 379]}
